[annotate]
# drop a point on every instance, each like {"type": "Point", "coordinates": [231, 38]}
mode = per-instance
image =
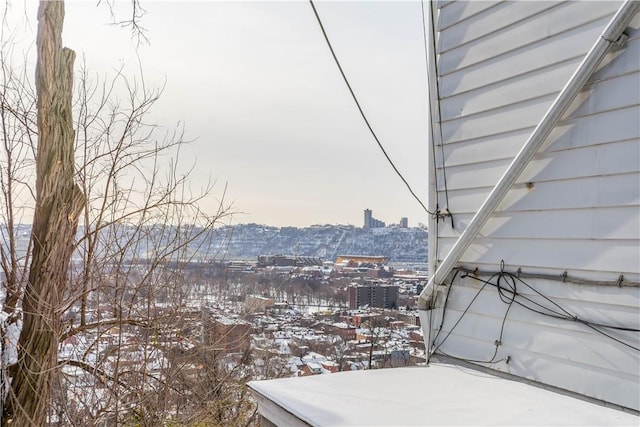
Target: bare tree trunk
{"type": "Point", "coordinates": [58, 205]}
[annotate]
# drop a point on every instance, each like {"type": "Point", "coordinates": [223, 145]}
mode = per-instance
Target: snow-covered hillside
{"type": "Point", "coordinates": [248, 241]}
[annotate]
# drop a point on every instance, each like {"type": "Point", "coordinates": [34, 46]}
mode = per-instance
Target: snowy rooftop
{"type": "Point", "coordinates": [440, 394]}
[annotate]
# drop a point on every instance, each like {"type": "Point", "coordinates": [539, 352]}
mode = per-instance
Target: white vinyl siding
{"type": "Point", "coordinates": [574, 210]}
{"type": "Point", "coordinates": [483, 128]}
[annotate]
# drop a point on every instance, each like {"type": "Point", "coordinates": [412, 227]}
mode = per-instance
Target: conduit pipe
{"type": "Point", "coordinates": [609, 36]}
{"type": "Point", "coordinates": [434, 132]}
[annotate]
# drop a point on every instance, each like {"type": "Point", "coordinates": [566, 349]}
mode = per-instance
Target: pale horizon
{"type": "Point", "coordinates": [265, 106]}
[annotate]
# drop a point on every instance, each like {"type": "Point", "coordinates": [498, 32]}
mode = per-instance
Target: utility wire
{"type": "Point", "coordinates": [439, 117]}
{"type": "Point", "coordinates": [433, 138]}
{"type": "Point", "coordinates": [433, 146]}
{"type": "Point", "coordinates": [437, 94]}
{"type": "Point", "coordinates": [364, 117]}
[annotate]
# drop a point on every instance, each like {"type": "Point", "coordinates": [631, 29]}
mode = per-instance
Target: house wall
{"type": "Point", "coordinates": [572, 220]}
{"type": "Point", "coordinates": [227, 337]}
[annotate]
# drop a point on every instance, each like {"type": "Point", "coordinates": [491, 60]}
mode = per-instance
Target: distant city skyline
{"type": "Point", "coordinates": [264, 104]}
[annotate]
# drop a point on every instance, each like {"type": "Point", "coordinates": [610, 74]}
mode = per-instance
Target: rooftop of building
{"type": "Point", "coordinates": [440, 394]}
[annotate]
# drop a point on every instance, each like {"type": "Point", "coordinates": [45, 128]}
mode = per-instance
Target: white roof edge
{"type": "Point", "coordinates": [275, 413]}
{"type": "Point", "coordinates": [441, 394]}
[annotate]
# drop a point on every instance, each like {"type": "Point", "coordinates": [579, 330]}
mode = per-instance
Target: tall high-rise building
{"type": "Point", "coordinates": [368, 217]}
{"type": "Point", "coordinates": [370, 221]}
{"type": "Point", "coordinates": [404, 222]}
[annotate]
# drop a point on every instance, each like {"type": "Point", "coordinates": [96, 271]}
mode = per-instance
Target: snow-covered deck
{"type": "Point", "coordinates": [441, 394]}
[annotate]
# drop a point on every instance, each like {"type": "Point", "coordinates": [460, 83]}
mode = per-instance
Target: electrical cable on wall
{"type": "Point", "coordinates": [566, 315]}
{"type": "Point", "coordinates": [510, 295]}
{"type": "Point", "coordinates": [434, 167]}
{"type": "Point", "coordinates": [438, 214]}
{"type": "Point", "coordinates": [497, 342]}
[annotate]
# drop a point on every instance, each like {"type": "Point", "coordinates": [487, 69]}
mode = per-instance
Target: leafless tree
{"type": "Point", "coordinates": [378, 334]}
{"type": "Point", "coordinates": [102, 292]}
{"type": "Point", "coordinates": [57, 207]}
{"type": "Point", "coordinates": [339, 351]}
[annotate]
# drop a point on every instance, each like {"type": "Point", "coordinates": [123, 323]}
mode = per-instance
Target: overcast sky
{"type": "Point", "coordinates": [259, 93]}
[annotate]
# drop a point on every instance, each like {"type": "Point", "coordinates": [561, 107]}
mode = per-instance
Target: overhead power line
{"type": "Point", "coordinates": [364, 117]}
